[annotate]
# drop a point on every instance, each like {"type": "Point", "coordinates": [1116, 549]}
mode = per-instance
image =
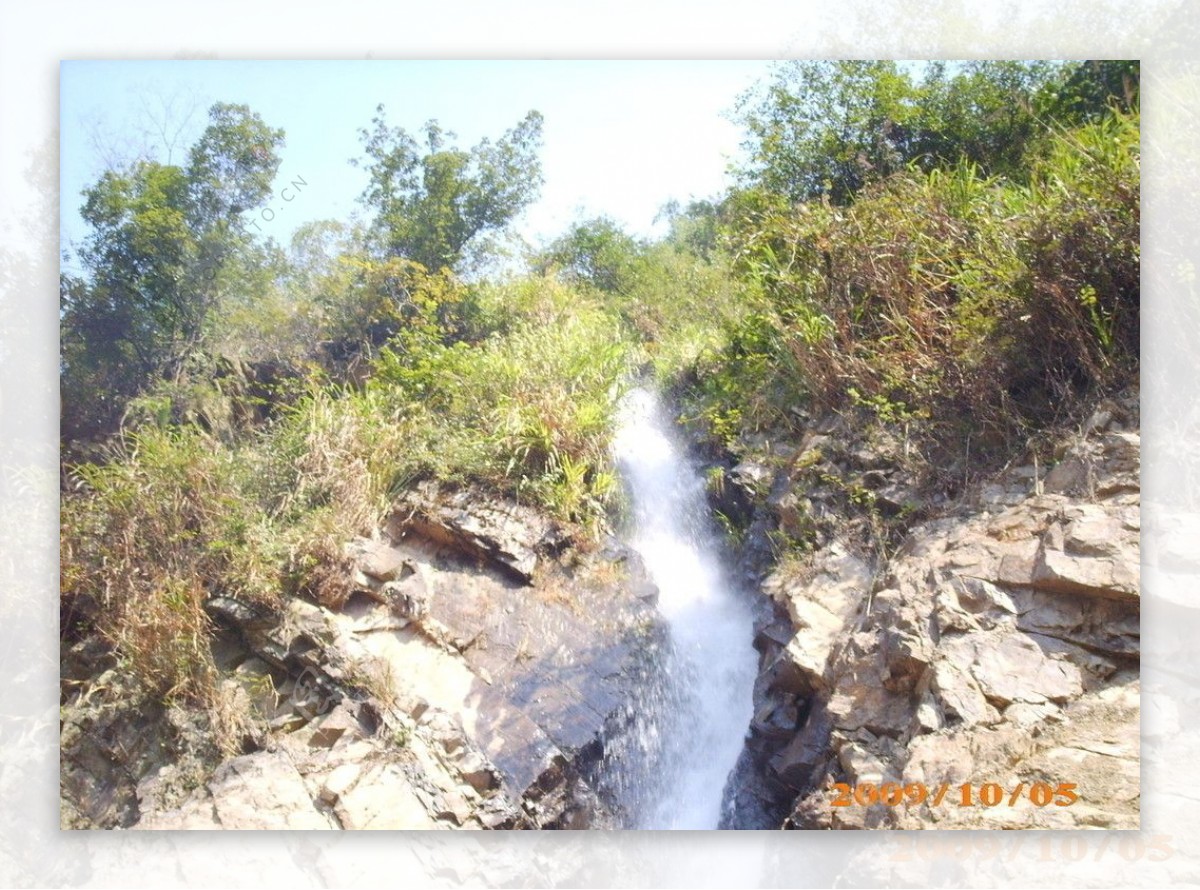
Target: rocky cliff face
{"type": "Point", "coordinates": [475, 670]}
{"type": "Point", "coordinates": [471, 677]}
{"type": "Point", "coordinates": [998, 643]}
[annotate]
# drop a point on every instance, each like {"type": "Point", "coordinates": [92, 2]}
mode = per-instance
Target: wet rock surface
{"type": "Point", "coordinates": [472, 680]}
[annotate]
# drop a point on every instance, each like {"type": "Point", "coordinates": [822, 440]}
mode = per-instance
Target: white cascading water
{"type": "Point", "coordinates": [711, 663]}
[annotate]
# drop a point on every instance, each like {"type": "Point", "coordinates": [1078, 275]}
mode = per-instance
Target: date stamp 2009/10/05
{"type": "Point", "coordinates": [987, 794]}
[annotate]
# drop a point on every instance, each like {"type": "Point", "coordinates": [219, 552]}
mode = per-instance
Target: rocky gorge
{"type": "Point", "coordinates": [482, 669]}
{"type": "Point", "coordinates": [817, 507]}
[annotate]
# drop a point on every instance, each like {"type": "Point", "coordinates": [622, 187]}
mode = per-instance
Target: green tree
{"type": "Point", "coordinates": [431, 198]}
{"type": "Point", "coordinates": [597, 252]}
{"type": "Point", "coordinates": [986, 113]}
{"type": "Point", "coordinates": [828, 128]}
{"type": "Point", "coordinates": [161, 256]}
{"type": "Point", "coordinates": [696, 227]}
{"type": "Point", "coordinates": [1096, 87]}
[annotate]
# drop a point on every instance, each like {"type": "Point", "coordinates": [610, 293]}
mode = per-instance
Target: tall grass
{"type": "Point", "coordinates": [528, 410]}
{"type": "Point", "coordinates": [148, 536]}
{"type": "Point", "coordinates": [178, 513]}
{"type": "Point", "coordinates": [976, 306]}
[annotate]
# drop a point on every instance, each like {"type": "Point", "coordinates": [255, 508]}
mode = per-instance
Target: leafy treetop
{"type": "Point", "coordinates": [432, 197]}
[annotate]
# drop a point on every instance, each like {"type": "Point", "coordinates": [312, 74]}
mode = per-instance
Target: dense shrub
{"type": "Point", "coordinates": [148, 535]}
{"type": "Point", "coordinates": [977, 305]}
{"type": "Point", "coordinates": [528, 411]}
{"type": "Point", "coordinates": [180, 509]}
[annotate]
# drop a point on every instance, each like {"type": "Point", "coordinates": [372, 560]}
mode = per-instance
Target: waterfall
{"type": "Point", "coordinates": [711, 664]}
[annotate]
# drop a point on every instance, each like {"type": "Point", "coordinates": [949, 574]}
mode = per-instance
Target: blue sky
{"type": "Point", "coordinates": [621, 138]}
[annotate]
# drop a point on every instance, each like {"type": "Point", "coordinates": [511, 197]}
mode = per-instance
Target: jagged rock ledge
{"type": "Point", "coordinates": [999, 643]}
{"type": "Point", "coordinates": [472, 679]}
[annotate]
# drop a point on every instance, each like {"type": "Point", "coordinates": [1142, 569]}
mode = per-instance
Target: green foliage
{"type": "Point", "coordinates": [655, 288]}
{"type": "Point", "coordinates": [1096, 88]}
{"type": "Point", "coordinates": [829, 129]}
{"type": "Point", "coordinates": [986, 114]}
{"type": "Point", "coordinates": [733, 534]}
{"type": "Point", "coordinates": [736, 386]}
{"type": "Point", "coordinates": [187, 506]}
{"type": "Point", "coordinates": [596, 253]}
{"type": "Point", "coordinates": [528, 410]}
{"type": "Point", "coordinates": [1083, 256]}
{"type": "Point", "coordinates": [696, 227]}
{"type": "Point", "coordinates": [673, 282]}
{"type": "Point", "coordinates": [431, 199]}
{"type": "Point", "coordinates": [161, 257]}
{"type": "Point", "coordinates": [335, 304]}
{"type": "Point", "coordinates": [231, 167]}
{"type": "Point", "coordinates": [386, 299]}
{"type": "Point", "coordinates": [973, 305]}
{"type": "Point", "coordinates": [151, 533]}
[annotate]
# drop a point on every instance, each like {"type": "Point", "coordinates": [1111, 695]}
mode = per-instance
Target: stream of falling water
{"type": "Point", "coordinates": [711, 663]}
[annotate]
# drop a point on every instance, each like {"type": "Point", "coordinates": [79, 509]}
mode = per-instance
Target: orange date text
{"type": "Point", "coordinates": [968, 794]}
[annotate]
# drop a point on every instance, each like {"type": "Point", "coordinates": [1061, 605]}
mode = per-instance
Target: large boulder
{"type": "Point", "coordinates": [442, 691]}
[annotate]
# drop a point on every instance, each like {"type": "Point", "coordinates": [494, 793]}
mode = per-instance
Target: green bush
{"type": "Point", "coordinates": [187, 504]}
{"type": "Point", "coordinates": [1081, 248]}
{"type": "Point", "coordinates": [528, 411]}
{"type": "Point", "coordinates": [979, 306]}
{"type": "Point", "coordinates": [148, 536]}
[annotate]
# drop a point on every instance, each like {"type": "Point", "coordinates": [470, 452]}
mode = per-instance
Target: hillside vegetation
{"type": "Point", "coordinates": [955, 255]}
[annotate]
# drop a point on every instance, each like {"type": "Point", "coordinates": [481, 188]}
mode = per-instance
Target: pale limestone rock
{"type": "Point", "coordinates": [933, 759]}
{"type": "Point", "coordinates": [404, 727]}
{"type": "Point", "coordinates": [193, 815]}
{"type": "Point", "coordinates": [1014, 668]}
{"type": "Point", "coordinates": [959, 695]}
{"type": "Point", "coordinates": [263, 791]}
{"type": "Point", "coordinates": [981, 597]}
{"type": "Point", "coordinates": [1062, 572]}
{"type": "Point", "coordinates": [928, 716]}
{"type": "Point", "coordinates": [1005, 642]}
{"type": "Point", "coordinates": [1025, 714]}
{"type": "Point", "coordinates": [820, 613]}
{"type": "Point", "coordinates": [340, 781]}
{"type": "Point", "coordinates": [862, 764]}
{"type": "Point", "coordinates": [332, 727]}
{"type": "Point", "coordinates": [383, 562]}
{"type": "Point", "coordinates": [383, 799]}
{"type": "Point", "coordinates": [871, 707]}
{"type": "Point", "coordinates": [807, 654]}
